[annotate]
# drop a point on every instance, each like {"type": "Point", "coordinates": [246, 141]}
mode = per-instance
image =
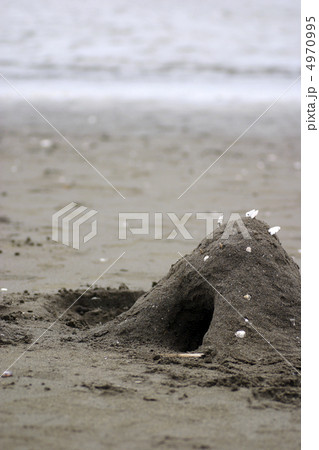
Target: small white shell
{"type": "Point", "coordinates": [248, 249]}
{"type": "Point", "coordinates": [206, 258]}
{"type": "Point", "coordinates": [4, 289]}
{"type": "Point", "coordinates": [252, 214]}
{"type": "Point", "coordinates": [240, 334]}
{"type": "Point", "coordinates": [273, 230]}
{"type": "Point", "coordinates": [247, 297]}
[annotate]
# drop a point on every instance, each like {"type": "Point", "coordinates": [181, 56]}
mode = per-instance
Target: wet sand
{"type": "Point", "coordinates": [151, 153]}
{"type": "Point", "coordinates": [69, 391]}
{"type": "Point", "coordinates": [71, 396]}
{"type": "Point", "coordinates": [66, 393]}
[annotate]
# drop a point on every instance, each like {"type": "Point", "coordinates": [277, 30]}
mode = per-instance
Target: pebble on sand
{"type": "Point", "coordinates": [240, 334]}
{"type": "Point", "coordinates": [206, 258]}
{"type": "Point", "coordinates": [248, 249]}
{"type": "Point", "coordinates": [247, 297]}
{"type": "Point", "coordinates": [274, 230]}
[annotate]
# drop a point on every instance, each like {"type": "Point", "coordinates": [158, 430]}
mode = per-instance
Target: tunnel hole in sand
{"type": "Point", "coordinates": [191, 321]}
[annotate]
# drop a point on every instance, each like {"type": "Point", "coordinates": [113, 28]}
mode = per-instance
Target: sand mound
{"type": "Point", "coordinates": [202, 302]}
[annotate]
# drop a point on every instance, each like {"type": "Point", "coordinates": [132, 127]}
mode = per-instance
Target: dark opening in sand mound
{"type": "Point", "coordinates": [203, 302]}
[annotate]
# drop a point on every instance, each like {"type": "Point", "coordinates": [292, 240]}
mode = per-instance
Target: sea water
{"type": "Point", "coordinates": [180, 50]}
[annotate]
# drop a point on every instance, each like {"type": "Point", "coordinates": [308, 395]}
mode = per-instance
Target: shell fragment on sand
{"type": "Point", "coordinates": [183, 355]}
{"type": "Point", "coordinates": [206, 258]}
{"type": "Point", "coordinates": [293, 322]}
{"type": "Point", "coordinates": [240, 334]}
{"type": "Point", "coordinates": [6, 373]}
{"type": "Point", "coordinates": [247, 297]}
{"type": "Point", "coordinates": [248, 249]}
{"type": "Point", "coordinates": [252, 214]}
{"type": "Point", "coordinates": [274, 230]}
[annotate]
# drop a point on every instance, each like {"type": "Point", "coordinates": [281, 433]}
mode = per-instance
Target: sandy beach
{"type": "Point", "coordinates": [151, 153]}
{"type": "Point", "coordinates": [150, 107]}
{"type": "Point", "coordinates": [63, 390]}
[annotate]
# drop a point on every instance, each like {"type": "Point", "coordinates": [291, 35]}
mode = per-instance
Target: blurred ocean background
{"type": "Point", "coordinates": [170, 49]}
